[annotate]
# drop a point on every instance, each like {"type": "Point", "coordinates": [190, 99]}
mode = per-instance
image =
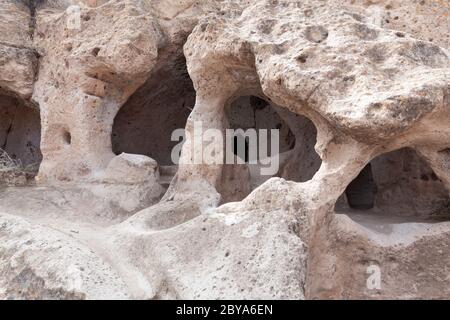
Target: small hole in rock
{"type": "Point", "coordinates": [67, 137]}
{"type": "Point", "coordinates": [95, 52]}
{"type": "Point", "coordinates": [302, 58]}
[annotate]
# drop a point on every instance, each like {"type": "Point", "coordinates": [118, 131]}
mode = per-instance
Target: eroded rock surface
{"type": "Point", "coordinates": [91, 91]}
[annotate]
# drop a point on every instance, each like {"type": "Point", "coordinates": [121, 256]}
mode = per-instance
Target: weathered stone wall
{"type": "Point", "coordinates": [349, 83]}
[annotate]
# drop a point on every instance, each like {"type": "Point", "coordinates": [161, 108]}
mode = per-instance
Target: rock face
{"type": "Point", "coordinates": [92, 91]}
{"type": "Point", "coordinates": [102, 59]}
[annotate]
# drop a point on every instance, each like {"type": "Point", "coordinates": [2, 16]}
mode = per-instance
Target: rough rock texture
{"type": "Point", "coordinates": [359, 90]}
{"type": "Point", "coordinates": [84, 81]}
{"type": "Point", "coordinates": [41, 263]}
{"type": "Point", "coordinates": [18, 58]}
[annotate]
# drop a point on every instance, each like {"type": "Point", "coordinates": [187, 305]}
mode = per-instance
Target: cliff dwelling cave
{"type": "Point", "coordinates": [398, 184]}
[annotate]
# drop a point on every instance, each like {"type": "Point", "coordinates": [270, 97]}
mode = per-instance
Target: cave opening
{"type": "Point", "coordinates": [397, 185]}
{"type": "Point", "coordinates": [251, 112]}
{"type": "Point", "coordinates": [295, 154]}
{"type": "Point", "coordinates": [145, 123]}
{"type": "Point", "coordinates": [20, 135]}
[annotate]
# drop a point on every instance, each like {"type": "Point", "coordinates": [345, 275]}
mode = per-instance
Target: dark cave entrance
{"type": "Point", "coordinates": [361, 192]}
{"type": "Point", "coordinates": [399, 184]}
{"type": "Point", "coordinates": [20, 136]}
{"type": "Point", "coordinates": [297, 159]}
{"type": "Point", "coordinates": [145, 123]}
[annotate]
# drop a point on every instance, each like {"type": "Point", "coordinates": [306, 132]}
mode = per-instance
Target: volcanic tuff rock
{"type": "Point", "coordinates": [91, 91]}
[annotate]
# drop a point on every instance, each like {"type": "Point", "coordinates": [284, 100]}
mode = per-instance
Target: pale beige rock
{"type": "Point", "coordinates": [18, 59]}
{"type": "Point", "coordinates": [84, 81]}
{"type": "Point", "coordinates": [359, 89]}
{"type": "Point", "coordinates": [132, 168]}
{"type": "Point", "coordinates": [40, 263]}
{"type": "Point", "coordinates": [18, 67]}
{"type": "Point", "coordinates": [15, 22]}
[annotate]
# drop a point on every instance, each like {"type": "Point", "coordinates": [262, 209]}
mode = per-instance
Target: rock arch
{"type": "Point", "coordinates": [20, 132]}
{"type": "Point", "coordinates": [400, 183]}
